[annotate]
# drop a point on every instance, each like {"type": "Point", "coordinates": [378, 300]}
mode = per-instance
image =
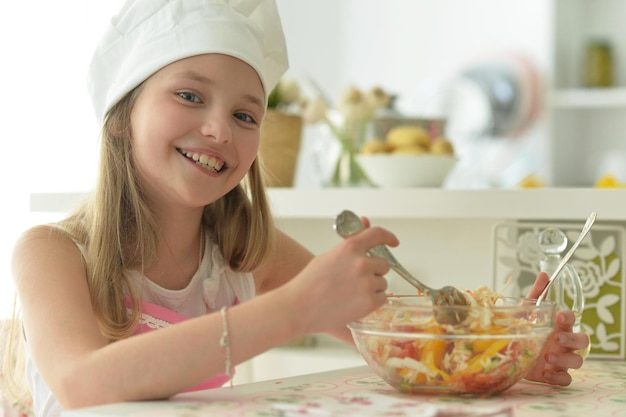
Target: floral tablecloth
{"type": "Point", "coordinates": [599, 389]}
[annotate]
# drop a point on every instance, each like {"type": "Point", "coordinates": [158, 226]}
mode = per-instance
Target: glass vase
{"type": "Point", "coordinates": [348, 172]}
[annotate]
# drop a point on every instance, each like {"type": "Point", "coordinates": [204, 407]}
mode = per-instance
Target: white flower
{"type": "Point", "coordinates": [314, 110]}
{"type": "Point", "coordinates": [529, 250]}
{"type": "Point", "coordinates": [378, 98]}
{"type": "Point", "coordinates": [285, 96]}
{"type": "Point", "coordinates": [590, 277]}
{"type": "Point", "coordinates": [356, 111]}
{"type": "Point", "coordinates": [353, 105]}
{"type": "Point", "coordinates": [288, 90]}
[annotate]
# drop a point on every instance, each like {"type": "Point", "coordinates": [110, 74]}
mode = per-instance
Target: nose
{"type": "Point", "coordinates": [216, 124]}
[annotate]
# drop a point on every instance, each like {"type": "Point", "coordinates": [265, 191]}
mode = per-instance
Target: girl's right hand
{"type": "Point", "coordinates": [343, 284]}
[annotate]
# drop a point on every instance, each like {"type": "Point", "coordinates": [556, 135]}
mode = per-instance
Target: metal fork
{"type": "Point", "coordinates": [348, 223]}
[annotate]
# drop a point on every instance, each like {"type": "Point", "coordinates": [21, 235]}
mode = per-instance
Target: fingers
{"type": "Point", "coordinates": [560, 352]}
{"type": "Point", "coordinates": [565, 320]}
{"type": "Point", "coordinates": [557, 377]}
{"type": "Point", "coordinates": [366, 239]}
{"type": "Point", "coordinates": [571, 341]}
{"type": "Point", "coordinates": [564, 361]}
{"type": "Point", "coordinates": [379, 284]}
{"type": "Point", "coordinates": [378, 266]}
{"type": "Point", "coordinates": [539, 285]}
{"type": "Point", "coordinates": [564, 336]}
{"type": "Point", "coordinates": [365, 221]}
{"type": "Point", "coordinates": [376, 281]}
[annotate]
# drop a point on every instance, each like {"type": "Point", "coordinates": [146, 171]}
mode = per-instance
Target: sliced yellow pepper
{"type": "Point", "coordinates": [433, 352]}
{"type": "Point", "coordinates": [476, 363]}
{"type": "Point", "coordinates": [432, 355]}
{"type": "Point", "coordinates": [481, 345]}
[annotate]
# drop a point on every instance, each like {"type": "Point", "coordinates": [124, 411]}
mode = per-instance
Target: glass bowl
{"type": "Point", "coordinates": [488, 352]}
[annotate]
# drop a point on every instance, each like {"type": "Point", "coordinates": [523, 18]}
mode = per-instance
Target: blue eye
{"type": "Point", "coordinates": [244, 117]}
{"type": "Point", "coordinates": [189, 97]}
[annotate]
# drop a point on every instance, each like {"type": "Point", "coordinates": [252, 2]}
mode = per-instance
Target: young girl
{"type": "Point", "coordinates": [177, 234]}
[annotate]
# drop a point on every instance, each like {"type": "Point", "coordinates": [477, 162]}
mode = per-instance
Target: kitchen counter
{"type": "Point", "coordinates": [599, 387]}
{"type": "Point", "coordinates": [436, 203]}
{"type": "Point", "coordinates": [423, 203]}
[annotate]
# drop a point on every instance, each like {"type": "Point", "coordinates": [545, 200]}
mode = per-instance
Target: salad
{"type": "Point", "coordinates": [493, 348]}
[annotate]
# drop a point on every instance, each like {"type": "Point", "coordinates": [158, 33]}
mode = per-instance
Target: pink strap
{"type": "Point", "coordinates": [154, 317]}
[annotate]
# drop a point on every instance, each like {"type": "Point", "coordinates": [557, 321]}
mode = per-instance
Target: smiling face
{"type": "Point", "coordinates": [196, 129]}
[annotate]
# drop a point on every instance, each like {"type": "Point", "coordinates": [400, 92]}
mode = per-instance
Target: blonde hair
{"type": "Point", "coordinates": [117, 231]}
{"type": "Point", "coordinates": [14, 390]}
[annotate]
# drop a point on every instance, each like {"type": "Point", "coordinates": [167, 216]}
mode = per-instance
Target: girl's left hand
{"type": "Point", "coordinates": [558, 355]}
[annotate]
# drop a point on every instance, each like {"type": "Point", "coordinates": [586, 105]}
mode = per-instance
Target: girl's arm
{"type": "Point", "coordinates": [289, 258]}
{"type": "Point", "coordinates": [82, 368]}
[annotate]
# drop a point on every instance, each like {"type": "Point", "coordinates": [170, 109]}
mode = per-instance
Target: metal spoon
{"type": "Point", "coordinates": [586, 228]}
{"type": "Point", "coordinates": [347, 223]}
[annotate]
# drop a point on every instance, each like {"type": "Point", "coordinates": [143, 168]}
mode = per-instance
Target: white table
{"type": "Point", "coordinates": [598, 389]}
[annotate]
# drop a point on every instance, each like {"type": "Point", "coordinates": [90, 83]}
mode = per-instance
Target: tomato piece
{"type": "Point", "coordinates": [408, 349]}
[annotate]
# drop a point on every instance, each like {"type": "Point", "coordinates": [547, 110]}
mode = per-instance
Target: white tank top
{"type": "Point", "coordinates": [213, 286]}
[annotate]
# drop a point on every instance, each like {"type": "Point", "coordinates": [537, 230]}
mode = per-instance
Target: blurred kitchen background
{"type": "Point", "coordinates": [509, 77]}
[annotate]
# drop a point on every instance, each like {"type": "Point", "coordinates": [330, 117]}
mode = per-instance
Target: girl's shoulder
{"type": "Point", "coordinates": [52, 232]}
{"type": "Point", "coordinates": [44, 239]}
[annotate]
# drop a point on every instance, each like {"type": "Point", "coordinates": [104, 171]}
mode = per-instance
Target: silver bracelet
{"type": "Point", "coordinates": [225, 343]}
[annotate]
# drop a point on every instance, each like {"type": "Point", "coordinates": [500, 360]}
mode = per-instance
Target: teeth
{"type": "Point", "coordinates": [210, 163]}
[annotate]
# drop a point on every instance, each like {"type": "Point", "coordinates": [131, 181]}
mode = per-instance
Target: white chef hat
{"type": "Point", "coordinates": [147, 35]}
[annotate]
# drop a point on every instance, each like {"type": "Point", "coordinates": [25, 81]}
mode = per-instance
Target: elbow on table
{"type": "Point", "coordinates": [79, 388]}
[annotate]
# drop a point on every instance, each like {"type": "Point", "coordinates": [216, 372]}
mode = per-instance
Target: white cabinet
{"type": "Point", "coordinates": [284, 362]}
{"type": "Point", "coordinates": [586, 125]}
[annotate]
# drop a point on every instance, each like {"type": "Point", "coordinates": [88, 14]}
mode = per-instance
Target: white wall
{"type": "Point", "coordinates": [49, 133]}
{"type": "Point", "coordinates": [402, 44]}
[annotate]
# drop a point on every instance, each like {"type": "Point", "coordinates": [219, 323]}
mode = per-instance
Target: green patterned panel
{"type": "Point", "coordinates": [599, 261]}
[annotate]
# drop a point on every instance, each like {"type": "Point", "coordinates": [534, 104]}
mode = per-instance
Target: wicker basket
{"type": "Point", "coordinates": [281, 135]}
